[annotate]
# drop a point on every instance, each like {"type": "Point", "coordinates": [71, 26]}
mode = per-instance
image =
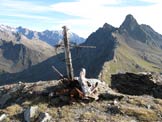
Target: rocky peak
{"type": "Point", "coordinates": [135, 30]}
{"type": "Point", "coordinates": [129, 23]}
{"type": "Point", "coordinates": [108, 26]}
{"type": "Point", "coordinates": [22, 30]}
{"type": "Point", "coordinates": [26, 32]}
{"type": "Point", "coordinates": [6, 28]}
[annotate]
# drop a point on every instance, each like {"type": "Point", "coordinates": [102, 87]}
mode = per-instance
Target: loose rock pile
{"type": "Point", "coordinates": [17, 93]}
{"type": "Point", "coordinates": [32, 114]}
{"type": "Point", "coordinates": [54, 93]}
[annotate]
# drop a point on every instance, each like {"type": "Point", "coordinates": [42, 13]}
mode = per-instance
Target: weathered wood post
{"type": "Point", "coordinates": [68, 58]}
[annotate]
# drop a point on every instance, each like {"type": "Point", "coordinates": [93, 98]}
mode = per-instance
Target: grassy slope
{"type": "Point", "coordinates": [128, 59]}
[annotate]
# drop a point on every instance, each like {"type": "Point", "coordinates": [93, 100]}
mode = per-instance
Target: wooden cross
{"type": "Point", "coordinates": [68, 59]}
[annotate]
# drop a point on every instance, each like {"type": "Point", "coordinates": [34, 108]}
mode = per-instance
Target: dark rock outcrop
{"type": "Point", "coordinates": [93, 59]}
{"type": "Point", "coordinates": [138, 84]}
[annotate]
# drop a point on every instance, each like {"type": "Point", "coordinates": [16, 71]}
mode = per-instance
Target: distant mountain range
{"type": "Point", "coordinates": [22, 48]}
{"type": "Point", "coordinates": [18, 52]}
{"type": "Point", "coordinates": [48, 36]}
{"type": "Point", "coordinates": [131, 47]}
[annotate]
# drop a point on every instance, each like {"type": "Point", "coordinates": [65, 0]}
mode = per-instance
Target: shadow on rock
{"type": "Point", "coordinates": [138, 84]}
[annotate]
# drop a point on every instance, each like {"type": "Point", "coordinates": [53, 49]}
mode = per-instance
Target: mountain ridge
{"type": "Point", "coordinates": [117, 50]}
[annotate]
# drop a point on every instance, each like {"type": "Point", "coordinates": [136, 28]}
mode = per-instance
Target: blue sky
{"type": "Point", "coordinates": [81, 16]}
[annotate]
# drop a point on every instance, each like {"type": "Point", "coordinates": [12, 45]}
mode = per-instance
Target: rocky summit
{"type": "Point", "coordinates": [138, 84]}
{"type": "Point", "coordinates": [49, 101]}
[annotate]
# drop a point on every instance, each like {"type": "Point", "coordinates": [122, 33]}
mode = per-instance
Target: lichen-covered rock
{"type": "Point", "coordinates": [3, 117]}
{"type": "Point", "coordinates": [31, 113]}
{"type": "Point", "coordinates": [44, 117]}
{"type": "Point", "coordinates": [4, 98]}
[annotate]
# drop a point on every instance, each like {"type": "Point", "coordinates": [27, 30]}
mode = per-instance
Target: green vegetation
{"type": "Point", "coordinates": [127, 59]}
{"type": "Point", "coordinates": [91, 116]}
{"type": "Point", "coordinates": [143, 115]}
{"type": "Point", "coordinates": [13, 110]}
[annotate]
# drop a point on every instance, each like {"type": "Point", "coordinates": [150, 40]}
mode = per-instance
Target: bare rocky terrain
{"type": "Point", "coordinates": [39, 102]}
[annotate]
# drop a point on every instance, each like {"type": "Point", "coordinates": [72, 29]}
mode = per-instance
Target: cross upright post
{"type": "Point", "coordinates": [68, 59]}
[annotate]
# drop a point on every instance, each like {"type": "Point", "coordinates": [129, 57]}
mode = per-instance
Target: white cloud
{"type": "Point", "coordinates": [28, 16]}
{"type": "Point", "coordinates": [83, 8]}
{"type": "Point", "coordinates": [95, 13]}
{"type": "Point", "coordinates": [23, 6]}
{"type": "Point", "coordinates": [153, 1]}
